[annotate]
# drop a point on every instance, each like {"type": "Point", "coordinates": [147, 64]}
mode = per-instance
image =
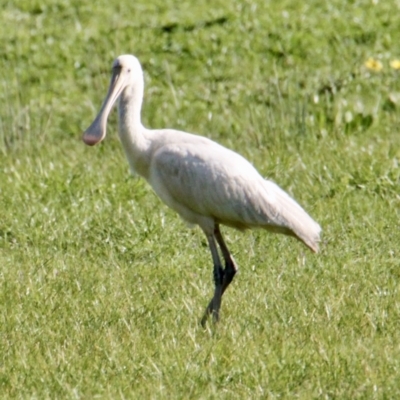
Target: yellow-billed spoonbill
{"type": "Point", "coordinates": [204, 182]}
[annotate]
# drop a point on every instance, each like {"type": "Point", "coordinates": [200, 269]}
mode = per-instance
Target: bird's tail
{"type": "Point", "coordinates": [290, 218]}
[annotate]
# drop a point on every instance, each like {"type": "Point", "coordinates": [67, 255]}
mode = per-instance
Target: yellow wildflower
{"type": "Point", "coordinates": [395, 64]}
{"type": "Point", "coordinates": [374, 65]}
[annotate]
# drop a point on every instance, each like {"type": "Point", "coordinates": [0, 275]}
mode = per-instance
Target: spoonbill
{"type": "Point", "coordinates": [205, 183]}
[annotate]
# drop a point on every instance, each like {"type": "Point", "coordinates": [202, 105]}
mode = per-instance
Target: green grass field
{"type": "Point", "coordinates": [102, 286]}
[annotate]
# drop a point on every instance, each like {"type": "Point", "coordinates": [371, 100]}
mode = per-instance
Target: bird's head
{"type": "Point", "coordinates": [126, 71]}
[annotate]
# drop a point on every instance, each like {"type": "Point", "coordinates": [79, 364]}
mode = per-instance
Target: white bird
{"type": "Point", "coordinates": [204, 182]}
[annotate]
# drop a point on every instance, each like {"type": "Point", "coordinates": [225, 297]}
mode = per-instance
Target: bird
{"type": "Point", "coordinates": [206, 183]}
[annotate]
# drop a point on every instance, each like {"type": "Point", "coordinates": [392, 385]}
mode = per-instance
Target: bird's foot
{"type": "Point", "coordinates": [211, 309]}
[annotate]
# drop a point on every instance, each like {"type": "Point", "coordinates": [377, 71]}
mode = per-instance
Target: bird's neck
{"type": "Point", "coordinates": [129, 109]}
{"type": "Point", "coordinates": [131, 131]}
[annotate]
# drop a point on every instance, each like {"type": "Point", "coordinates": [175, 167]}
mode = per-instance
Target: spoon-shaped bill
{"type": "Point", "coordinates": [97, 130]}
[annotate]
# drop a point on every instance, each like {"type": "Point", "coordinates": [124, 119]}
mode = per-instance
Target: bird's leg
{"type": "Point", "coordinates": [222, 278]}
{"type": "Point", "coordinates": [215, 303]}
{"type": "Point", "coordinates": [230, 266]}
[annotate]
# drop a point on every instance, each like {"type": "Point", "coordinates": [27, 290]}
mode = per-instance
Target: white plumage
{"type": "Point", "coordinates": [204, 182]}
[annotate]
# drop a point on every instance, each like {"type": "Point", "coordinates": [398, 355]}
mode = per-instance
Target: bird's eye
{"type": "Point", "coordinates": [129, 70]}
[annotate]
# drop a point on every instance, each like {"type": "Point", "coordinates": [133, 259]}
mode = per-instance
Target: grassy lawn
{"type": "Point", "coordinates": [102, 286]}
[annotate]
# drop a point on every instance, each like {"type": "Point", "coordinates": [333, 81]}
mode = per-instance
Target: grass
{"type": "Point", "coordinates": [102, 286]}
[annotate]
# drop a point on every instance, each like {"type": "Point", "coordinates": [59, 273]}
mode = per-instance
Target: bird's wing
{"type": "Point", "coordinates": [213, 181]}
